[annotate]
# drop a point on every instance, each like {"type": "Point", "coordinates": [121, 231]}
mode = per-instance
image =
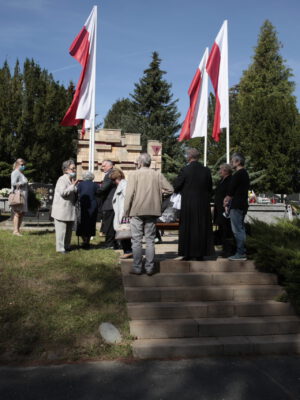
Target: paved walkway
{"type": "Point", "coordinates": [274, 378]}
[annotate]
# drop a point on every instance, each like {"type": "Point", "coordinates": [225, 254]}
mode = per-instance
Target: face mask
{"type": "Point", "coordinates": [22, 168]}
{"type": "Point", "coordinates": [72, 174]}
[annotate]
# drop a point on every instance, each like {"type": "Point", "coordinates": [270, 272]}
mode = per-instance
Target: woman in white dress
{"type": "Point", "coordinates": [19, 181]}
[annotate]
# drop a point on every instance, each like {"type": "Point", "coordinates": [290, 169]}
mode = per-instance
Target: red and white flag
{"type": "Point", "coordinates": [83, 49]}
{"type": "Point", "coordinates": [217, 69]}
{"type": "Point", "coordinates": [195, 123]}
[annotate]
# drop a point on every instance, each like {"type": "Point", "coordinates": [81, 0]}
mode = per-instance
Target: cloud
{"type": "Point", "coordinates": [64, 68]}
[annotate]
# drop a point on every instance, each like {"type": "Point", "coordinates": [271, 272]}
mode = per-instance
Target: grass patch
{"type": "Point", "coordinates": [51, 304]}
{"type": "Point", "coordinates": [276, 248]}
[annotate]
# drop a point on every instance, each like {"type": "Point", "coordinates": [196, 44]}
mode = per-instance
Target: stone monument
{"type": "Point", "coordinates": [122, 149]}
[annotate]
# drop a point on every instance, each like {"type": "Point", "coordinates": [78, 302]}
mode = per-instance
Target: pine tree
{"type": "Point", "coordinates": [120, 116]}
{"type": "Point", "coordinates": [154, 110]}
{"type": "Point", "coordinates": [267, 115]}
{"type": "Point", "coordinates": [32, 105]}
{"type": "Point", "coordinates": [6, 128]}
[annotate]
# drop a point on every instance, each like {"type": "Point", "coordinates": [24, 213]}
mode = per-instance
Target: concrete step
{"type": "Point", "coordinates": [184, 310]}
{"type": "Point", "coordinates": [200, 279]}
{"type": "Point", "coordinates": [221, 346]}
{"type": "Point", "coordinates": [205, 293]}
{"type": "Point", "coordinates": [215, 327]}
{"type": "Point", "coordinates": [177, 266]}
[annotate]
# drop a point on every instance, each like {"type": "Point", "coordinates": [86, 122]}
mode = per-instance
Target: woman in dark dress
{"type": "Point", "coordinates": [87, 192]}
{"type": "Point", "coordinates": [224, 225]}
{"type": "Point", "coordinates": [195, 226]}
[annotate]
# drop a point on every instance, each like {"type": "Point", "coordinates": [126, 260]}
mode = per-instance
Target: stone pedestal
{"type": "Point", "coordinates": [268, 213]}
{"type": "Point", "coordinates": [122, 149]}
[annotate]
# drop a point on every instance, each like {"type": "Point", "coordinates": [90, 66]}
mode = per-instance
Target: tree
{"type": "Point", "coordinates": [152, 113]}
{"type": "Point", "coordinates": [267, 116]}
{"type": "Point", "coordinates": [120, 116]}
{"type": "Point", "coordinates": [155, 111]}
{"type": "Point", "coordinates": [32, 105]}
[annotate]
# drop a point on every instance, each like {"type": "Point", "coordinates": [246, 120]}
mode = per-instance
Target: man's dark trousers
{"type": "Point", "coordinates": [108, 228]}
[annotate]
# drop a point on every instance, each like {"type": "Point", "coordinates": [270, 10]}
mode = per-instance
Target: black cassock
{"type": "Point", "coordinates": [195, 228]}
{"type": "Point", "coordinates": [87, 191]}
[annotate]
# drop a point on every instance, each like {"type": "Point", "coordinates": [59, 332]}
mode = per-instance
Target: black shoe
{"type": "Point", "coordinates": [149, 273]}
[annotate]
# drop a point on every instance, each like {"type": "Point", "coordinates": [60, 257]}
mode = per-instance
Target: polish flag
{"type": "Point", "coordinates": [217, 69]}
{"type": "Point", "coordinates": [83, 49]}
{"type": "Point", "coordinates": [86, 124]}
{"type": "Point", "coordinates": [195, 123]}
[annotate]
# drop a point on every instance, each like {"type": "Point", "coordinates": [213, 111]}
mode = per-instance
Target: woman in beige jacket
{"type": "Point", "coordinates": [63, 208]}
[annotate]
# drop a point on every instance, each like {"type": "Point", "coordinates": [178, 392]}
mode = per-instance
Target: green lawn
{"type": "Point", "coordinates": [51, 304]}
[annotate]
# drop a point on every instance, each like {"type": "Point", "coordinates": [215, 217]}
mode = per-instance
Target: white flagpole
{"type": "Point", "coordinates": [93, 113]}
{"type": "Point", "coordinates": [227, 146]}
{"type": "Point", "coordinates": [227, 129]}
{"type": "Point", "coordinates": [205, 150]}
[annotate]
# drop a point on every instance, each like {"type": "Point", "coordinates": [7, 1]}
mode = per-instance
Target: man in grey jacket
{"type": "Point", "coordinates": [143, 202]}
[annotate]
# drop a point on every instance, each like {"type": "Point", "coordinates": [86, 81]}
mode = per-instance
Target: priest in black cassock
{"type": "Point", "coordinates": [195, 226]}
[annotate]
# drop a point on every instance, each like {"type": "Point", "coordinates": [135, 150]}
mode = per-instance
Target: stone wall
{"type": "Point", "coordinates": [269, 213]}
{"type": "Point", "coordinates": [123, 150]}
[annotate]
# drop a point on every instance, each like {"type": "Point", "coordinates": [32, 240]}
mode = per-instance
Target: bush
{"type": "Point", "coordinates": [276, 248]}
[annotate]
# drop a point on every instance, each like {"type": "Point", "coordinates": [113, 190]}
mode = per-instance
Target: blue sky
{"type": "Point", "coordinates": [130, 30]}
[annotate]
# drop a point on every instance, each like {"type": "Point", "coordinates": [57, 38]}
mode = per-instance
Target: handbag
{"type": "Point", "coordinates": [124, 230]}
{"type": "Point", "coordinates": [16, 198]}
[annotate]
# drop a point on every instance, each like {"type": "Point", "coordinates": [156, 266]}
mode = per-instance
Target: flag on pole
{"type": "Point", "coordinates": [195, 123]}
{"type": "Point", "coordinates": [217, 69]}
{"type": "Point", "coordinates": [83, 49]}
{"type": "Point", "coordinates": [86, 124]}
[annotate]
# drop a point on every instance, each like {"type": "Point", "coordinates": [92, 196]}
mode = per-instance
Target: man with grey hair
{"type": "Point", "coordinates": [143, 201]}
{"type": "Point", "coordinates": [237, 199]}
{"type": "Point", "coordinates": [106, 192]}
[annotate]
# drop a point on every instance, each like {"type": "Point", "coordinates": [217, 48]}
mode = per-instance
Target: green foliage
{"type": "Point", "coordinates": [153, 113]}
{"type": "Point", "coordinates": [32, 105]}
{"type": "Point", "coordinates": [267, 121]}
{"type": "Point", "coordinates": [5, 171]}
{"type": "Point", "coordinates": [120, 116]}
{"type": "Point", "coordinates": [255, 176]}
{"type": "Point", "coordinates": [152, 101]}
{"type": "Point", "coordinates": [53, 304]}
{"type": "Point", "coordinates": [275, 248]}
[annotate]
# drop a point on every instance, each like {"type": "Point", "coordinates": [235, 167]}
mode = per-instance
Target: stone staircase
{"type": "Point", "coordinates": [208, 308]}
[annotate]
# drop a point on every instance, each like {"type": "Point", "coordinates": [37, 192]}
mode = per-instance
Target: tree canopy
{"type": "Point", "coordinates": [150, 111]}
{"type": "Point", "coordinates": [32, 105]}
{"type": "Point", "coordinates": [267, 119]}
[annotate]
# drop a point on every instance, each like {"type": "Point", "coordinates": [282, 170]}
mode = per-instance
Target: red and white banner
{"type": "Point", "coordinates": [83, 49]}
{"type": "Point", "coordinates": [195, 123]}
{"type": "Point", "coordinates": [217, 69]}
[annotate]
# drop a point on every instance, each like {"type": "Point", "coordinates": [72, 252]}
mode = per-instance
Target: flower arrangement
{"type": "Point", "coordinates": [5, 192]}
